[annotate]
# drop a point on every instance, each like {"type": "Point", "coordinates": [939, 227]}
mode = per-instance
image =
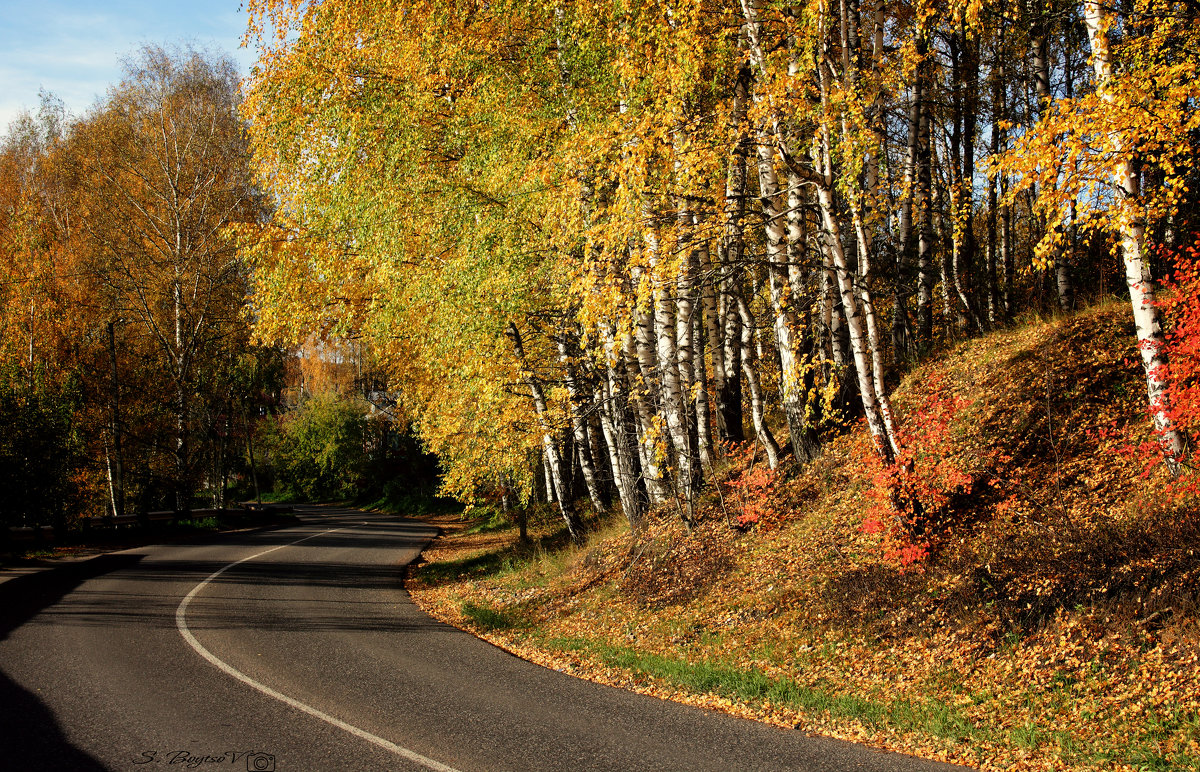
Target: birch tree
{"type": "Point", "coordinates": [165, 160]}
{"type": "Point", "coordinates": [1089, 154]}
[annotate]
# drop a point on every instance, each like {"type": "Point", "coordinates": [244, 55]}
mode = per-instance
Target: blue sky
{"type": "Point", "coordinates": [74, 48]}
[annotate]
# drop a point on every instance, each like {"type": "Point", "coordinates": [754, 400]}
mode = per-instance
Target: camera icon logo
{"type": "Point", "coordinates": [260, 762]}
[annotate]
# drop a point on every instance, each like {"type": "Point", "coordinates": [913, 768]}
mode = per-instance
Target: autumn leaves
{"type": "Point", "coordinates": [124, 284]}
{"type": "Point", "coordinates": [612, 231]}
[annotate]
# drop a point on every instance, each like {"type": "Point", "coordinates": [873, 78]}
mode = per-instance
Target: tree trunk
{"type": "Point", "coordinates": [613, 412]}
{"type": "Point", "coordinates": [579, 422]}
{"type": "Point", "coordinates": [857, 306]}
{"type": "Point", "coordinates": [761, 431]}
{"type": "Point", "coordinates": [906, 253]}
{"type": "Point", "coordinates": [672, 389]}
{"type": "Point", "coordinates": [926, 240]}
{"type": "Point", "coordinates": [1007, 268]}
{"type": "Point", "coordinates": [640, 366]}
{"type": "Point", "coordinates": [878, 421]}
{"type": "Point", "coordinates": [620, 456]}
{"type": "Point", "coordinates": [117, 459]}
{"type": "Point", "coordinates": [782, 304]}
{"type": "Point", "coordinates": [1039, 55]}
{"type": "Point", "coordinates": [704, 332]}
{"type": "Point", "coordinates": [1137, 272]}
{"type": "Point", "coordinates": [250, 454]}
{"type": "Point", "coordinates": [775, 224]}
{"type": "Point", "coordinates": [729, 391]}
{"type": "Point", "coordinates": [548, 479]}
{"type": "Point", "coordinates": [962, 168]}
{"type": "Point", "coordinates": [715, 343]}
{"type": "Point", "coordinates": [556, 474]}
{"type": "Point", "coordinates": [731, 395]}
{"type": "Point", "coordinates": [183, 498]}
{"type": "Point", "coordinates": [999, 114]}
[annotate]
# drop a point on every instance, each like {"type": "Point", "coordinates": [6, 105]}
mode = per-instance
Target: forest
{"type": "Point", "coordinates": [598, 246]}
{"type": "Point", "coordinates": [584, 253]}
{"type": "Point", "coordinates": [130, 379]}
{"type": "Point", "coordinates": [797, 350]}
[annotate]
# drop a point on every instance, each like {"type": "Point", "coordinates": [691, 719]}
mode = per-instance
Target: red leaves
{"type": "Point", "coordinates": [915, 490]}
{"type": "Point", "coordinates": [752, 492]}
{"type": "Point", "coordinates": [1180, 304]}
{"type": "Point", "coordinates": [908, 554]}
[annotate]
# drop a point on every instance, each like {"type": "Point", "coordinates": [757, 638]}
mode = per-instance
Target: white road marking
{"type": "Point", "coordinates": [181, 623]}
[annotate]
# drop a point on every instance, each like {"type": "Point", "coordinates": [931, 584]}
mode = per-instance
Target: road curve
{"type": "Point", "coordinates": [297, 649]}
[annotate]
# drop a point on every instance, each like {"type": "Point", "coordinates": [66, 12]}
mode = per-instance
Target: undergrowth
{"type": "Point", "coordinates": [1034, 607]}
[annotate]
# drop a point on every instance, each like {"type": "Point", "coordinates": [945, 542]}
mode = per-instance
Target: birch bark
{"type": "Point", "coordinates": [579, 421]}
{"type": "Point", "coordinates": [641, 367]}
{"type": "Point", "coordinates": [672, 390]}
{"type": "Point", "coordinates": [556, 474]}
{"type": "Point", "coordinates": [706, 338]}
{"type": "Point", "coordinates": [1133, 234]}
{"type": "Point", "coordinates": [775, 224]}
{"type": "Point", "coordinates": [761, 431]}
{"type": "Point", "coordinates": [729, 394]}
{"type": "Point", "coordinates": [614, 418]}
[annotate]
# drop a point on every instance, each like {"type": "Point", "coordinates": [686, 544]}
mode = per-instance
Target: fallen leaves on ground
{"type": "Point", "coordinates": [1053, 624]}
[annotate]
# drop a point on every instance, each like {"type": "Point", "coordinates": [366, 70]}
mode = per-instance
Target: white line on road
{"type": "Point", "coordinates": [181, 623]}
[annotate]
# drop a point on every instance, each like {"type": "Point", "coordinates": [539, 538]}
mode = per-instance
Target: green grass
{"type": "Point", "coordinates": [498, 522]}
{"type": "Point", "coordinates": [756, 688]}
{"type": "Point", "coordinates": [474, 567]}
{"type": "Point", "coordinates": [198, 524]}
{"type": "Point", "coordinates": [397, 500]}
{"type": "Point", "coordinates": [947, 722]}
{"type": "Point", "coordinates": [489, 619]}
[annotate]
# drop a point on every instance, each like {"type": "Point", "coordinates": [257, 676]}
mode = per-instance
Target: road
{"type": "Point", "coordinates": [298, 649]}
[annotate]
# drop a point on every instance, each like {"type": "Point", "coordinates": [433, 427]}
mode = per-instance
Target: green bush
{"type": "Point", "coordinates": [319, 450]}
{"type": "Point", "coordinates": [39, 448]}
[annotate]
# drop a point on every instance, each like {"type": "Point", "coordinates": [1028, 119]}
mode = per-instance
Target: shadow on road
{"type": "Point", "coordinates": [30, 737]}
{"type": "Point", "coordinates": [311, 593]}
{"type": "Point", "coordinates": [22, 598]}
{"type": "Point", "coordinates": [266, 596]}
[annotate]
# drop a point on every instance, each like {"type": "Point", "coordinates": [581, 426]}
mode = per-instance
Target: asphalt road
{"type": "Point", "coordinates": [297, 649]}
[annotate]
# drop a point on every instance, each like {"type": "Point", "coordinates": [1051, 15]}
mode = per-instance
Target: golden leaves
{"type": "Point", "coordinates": [1081, 146]}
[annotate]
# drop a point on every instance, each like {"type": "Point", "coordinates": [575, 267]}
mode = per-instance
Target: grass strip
{"type": "Point", "coordinates": [936, 719]}
{"type": "Point", "coordinates": [756, 688]}
{"type": "Point", "coordinates": [490, 619]}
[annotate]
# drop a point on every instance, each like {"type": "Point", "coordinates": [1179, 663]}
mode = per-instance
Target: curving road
{"type": "Point", "coordinates": [297, 649]}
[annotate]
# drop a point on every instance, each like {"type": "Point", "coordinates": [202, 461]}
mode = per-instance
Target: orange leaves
{"type": "Point", "coordinates": [752, 497]}
{"type": "Point", "coordinates": [1180, 304]}
{"type": "Point", "coordinates": [912, 496]}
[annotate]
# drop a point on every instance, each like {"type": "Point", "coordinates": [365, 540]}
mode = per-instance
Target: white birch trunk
{"type": "Point", "coordinates": [707, 339]}
{"type": "Point", "coordinates": [857, 306]}
{"type": "Point", "coordinates": [729, 394]}
{"type": "Point", "coordinates": [551, 493]}
{"type": "Point", "coordinates": [757, 418]}
{"type": "Point", "coordinates": [671, 393]}
{"type": "Point", "coordinates": [775, 226]}
{"type": "Point", "coordinates": [612, 401]}
{"type": "Point", "coordinates": [579, 424]}
{"type": "Point", "coordinates": [554, 459]}
{"type": "Point", "coordinates": [639, 365]}
{"type": "Point", "coordinates": [1137, 272]}
{"type": "Point", "coordinates": [885, 442]}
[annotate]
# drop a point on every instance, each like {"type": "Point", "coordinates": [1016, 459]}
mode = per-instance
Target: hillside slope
{"type": "Point", "coordinates": [1041, 613]}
